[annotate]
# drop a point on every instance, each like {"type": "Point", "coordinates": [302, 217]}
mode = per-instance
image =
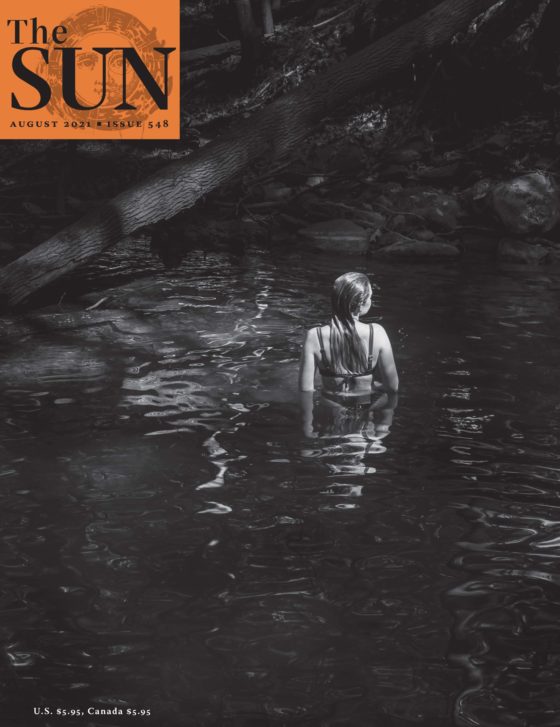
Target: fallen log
{"type": "Point", "coordinates": [273, 131]}
{"type": "Point", "coordinates": [210, 52]}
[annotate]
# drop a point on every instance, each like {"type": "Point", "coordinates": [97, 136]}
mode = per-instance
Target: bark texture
{"type": "Point", "coordinates": [273, 132]}
{"type": "Point", "coordinates": [210, 52]}
{"type": "Point", "coordinates": [268, 21]}
{"type": "Point", "coordinates": [249, 33]}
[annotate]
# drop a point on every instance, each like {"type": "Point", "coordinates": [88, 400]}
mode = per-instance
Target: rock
{"type": "Point", "coordinates": [419, 250]}
{"type": "Point", "coordinates": [445, 171]}
{"type": "Point", "coordinates": [388, 238]}
{"type": "Point", "coordinates": [274, 191]}
{"type": "Point", "coordinates": [116, 321]}
{"type": "Point", "coordinates": [405, 156]}
{"type": "Point", "coordinates": [443, 213]}
{"type": "Point", "coordinates": [498, 141]}
{"type": "Point", "coordinates": [393, 188]}
{"type": "Point", "coordinates": [307, 201]}
{"type": "Point", "coordinates": [425, 235]}
{"type": "Point", "coordinates": [479, 242]}
{"type": "Point", "coordinates": [340, 236]}
{"type": "Point", "coordinates": [398, 222]}
{"type": "Point", "coordinates": [527, 204]}
{"type": "Point", "coordinates": [347, 159]}
{"type": "Point", "coordinates": [384, 202]}
{"type": "Point", "coordinates": [442, 210]}
{"type": "Point", "coordinates": [394, 173]}
{"type": "Point", "coordinates": [315, 180]}
{"type": "Point", "coordinates": [554, 255]}
{"type": "Point", "coordinates": [477, 195]}
{"type": "Point", "coordinates": [37, 364]}
{"type": "Point", "coordinates": [373, 219]}
{"type": "Point", "coordinates": [518, 251]}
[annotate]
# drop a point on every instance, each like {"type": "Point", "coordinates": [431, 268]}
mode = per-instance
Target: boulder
{"type": "Point", "coordinates": [406, 155]}
{"type": "Point", "coordinates": [442, 172]}
{"type": "Point", "coordinates": [399, 222]}
{"type": "Point", "coordinates": [418, 250]}
{"type": "Point", "coordinates": [389, 237]}
{"type": "Point", "coordinates": [425, 235]}
{"type": "Point", "coordinates": [338, 236]}
{"type": "Point", "coordinates": [498, 141]}
{"type": "Point", "coordinates": [314, 180]}
{"type": "Point", "coordinates": [525, 253]}
{"type": "Point", "coordinates": [477, 195]}
{"type": "Point", "coordinates": [373, 220]}
{"type": "Point", "coordinates": [529, 204]}
{"type": "Point", "coordinates": [441, 210]}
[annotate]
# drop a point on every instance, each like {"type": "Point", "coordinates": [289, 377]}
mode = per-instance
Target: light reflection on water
{"type": "Point", "coordinates": [171, 540]}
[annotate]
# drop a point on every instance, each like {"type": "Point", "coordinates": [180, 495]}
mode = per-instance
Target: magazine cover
{"type": "Point", "coordinates": [279, 407]}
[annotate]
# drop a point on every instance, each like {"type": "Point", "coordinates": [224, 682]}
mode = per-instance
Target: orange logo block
{"type": "Point", "coordinates": [73, 69]}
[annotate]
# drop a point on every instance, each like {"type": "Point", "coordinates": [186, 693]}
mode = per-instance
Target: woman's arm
{"type": "Point", "coordinates": [306, 406]}
{"type": "Point", "coordinates": [387, 366]}
{"type": "Point", "coordinates": [307, 362]}
{"type": "Point", "coordinates": [307, 382]}
{"type": "Point", "coordinates": [382, 413]}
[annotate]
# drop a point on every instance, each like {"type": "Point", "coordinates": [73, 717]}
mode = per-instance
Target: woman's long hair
{"type": "Point", "coordinates": [350, 292]}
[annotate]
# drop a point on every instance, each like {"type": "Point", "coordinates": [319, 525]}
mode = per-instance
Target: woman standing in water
{"type": "Point", "coordinates": [346, 352]}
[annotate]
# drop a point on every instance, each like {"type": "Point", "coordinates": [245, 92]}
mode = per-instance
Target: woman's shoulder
{"type": "Point", "coordinates": [380, 336]}
{"type": "Point", "coordinates": [376, 330]}
{"type": "Point", "coordinates": [377, 327]}
{"type": "Point", "coordinates": [316, 328]}
{"type": "Point", "coordinates": [311, 335]}
{"type": "Point", "coordinates": [364, 327]}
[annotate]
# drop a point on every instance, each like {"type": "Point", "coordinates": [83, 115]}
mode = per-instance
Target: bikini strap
{"type": "Point", "coordinates": [322, 346]}
{"type": "Point", "coordinates": [370, 354]}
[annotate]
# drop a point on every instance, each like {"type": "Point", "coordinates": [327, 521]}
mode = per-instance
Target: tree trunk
{"type": "Point", "coordinates": [273, 131]}
{"type": "Point", "coordinates": [210, 52]}
{"type": "Point", "coordinates": [268, 21]}
{"type": "Point", "coordinates": [249, 34]}
{"type": "Point", "coordinates": [547, 52]}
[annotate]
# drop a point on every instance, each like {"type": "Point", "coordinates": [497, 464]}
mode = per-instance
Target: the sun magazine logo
{"type": "Point", "coordinates": [73, 69]}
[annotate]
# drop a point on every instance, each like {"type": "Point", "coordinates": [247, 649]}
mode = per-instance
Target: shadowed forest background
{"type": "Point", "coordinates": [172, 539]}
{"type": "Point", "coordinates": [404, 148]}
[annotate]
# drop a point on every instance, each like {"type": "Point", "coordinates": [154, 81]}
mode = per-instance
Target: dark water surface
{"type": "Point", "coordinates": [171, 541]}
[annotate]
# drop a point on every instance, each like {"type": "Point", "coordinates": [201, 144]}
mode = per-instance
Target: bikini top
{"type": "Point", "coordinates": [325, 369]}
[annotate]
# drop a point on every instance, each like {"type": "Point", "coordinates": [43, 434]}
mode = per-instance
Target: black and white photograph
{"type": "Point", "coordinates": [279, 354]}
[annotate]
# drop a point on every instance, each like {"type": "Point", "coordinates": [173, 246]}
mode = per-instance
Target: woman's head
{"type": "Point", "coordinates": [351, 296]}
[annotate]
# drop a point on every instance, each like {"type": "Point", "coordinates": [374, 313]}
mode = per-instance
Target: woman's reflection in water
{"type": "Point", "coordinates": [347, 353]}
{"type": "Point", "coordinates": [349, 429]}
